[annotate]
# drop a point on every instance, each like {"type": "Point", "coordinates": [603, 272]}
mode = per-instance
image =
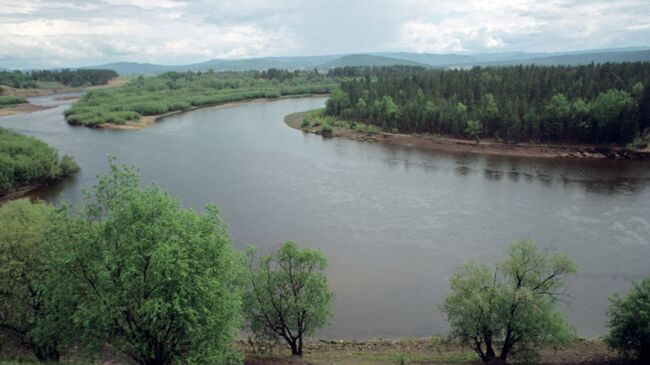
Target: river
{"type": "Point", "coordinates": [393, 221]}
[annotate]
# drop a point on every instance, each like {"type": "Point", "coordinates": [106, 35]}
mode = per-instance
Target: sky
{"type": "Point", "coordinates": [69, 33]}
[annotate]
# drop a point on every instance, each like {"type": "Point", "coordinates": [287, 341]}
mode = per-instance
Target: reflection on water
{"type": "Point", "coordinates": [394, 221]}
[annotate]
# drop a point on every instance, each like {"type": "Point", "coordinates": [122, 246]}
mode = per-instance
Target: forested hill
{"type": "Point", "coordinates": [608, 103]}
{"type": "Point", "coordinates": [74, 78]}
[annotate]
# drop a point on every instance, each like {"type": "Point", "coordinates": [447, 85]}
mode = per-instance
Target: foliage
{"type": "Point", "coordinates": [80, 77]}
{"type": "Point", "coordinates": [629, 322]}
{"type": "Point", "coordinates": [31, 315]}
{"type": "Point", "coordinates": [157, 282]}
{"type": "Point", "coordinates": [514, 306]}
{"type": "Point", "coordinates": [11, 100]}
{"type": "Point", "coordinates": [597, 103]}
{"type": "Point", "coordinates": [473, 129]}
{"type": "Point", "coordinates": [26, 160]}
{"type": "Point", "coordinates": [288, 296]}
{"type": "Point", "coordinates": [174, 91]}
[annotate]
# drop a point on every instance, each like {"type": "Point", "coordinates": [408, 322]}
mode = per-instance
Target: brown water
{"type": "Point", "coordinates": [394, 222]}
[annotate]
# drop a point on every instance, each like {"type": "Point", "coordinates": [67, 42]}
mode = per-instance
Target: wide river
{"type": "Point", "coordinates": [394, 222]}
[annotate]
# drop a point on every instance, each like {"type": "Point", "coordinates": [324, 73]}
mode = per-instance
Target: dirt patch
{"type": "Point", "coordinates": [434, 350]}
{"type": "Point", "coordinates": [22, 109]}
{"type": "Point", "coordinates": [484, 147]}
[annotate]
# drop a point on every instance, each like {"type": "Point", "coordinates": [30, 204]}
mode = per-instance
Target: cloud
{"type": "Point", "coordinates": [476, 26]}
{"type": "Point", "coordinates": [41, 33]}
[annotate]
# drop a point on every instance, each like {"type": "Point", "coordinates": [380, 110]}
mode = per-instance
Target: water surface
{"type": "Point", "coordinates": [393, 221]}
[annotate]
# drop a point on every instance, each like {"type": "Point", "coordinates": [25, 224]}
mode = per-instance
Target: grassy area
{"type": "Point", "coordinates": [11, 100]}
{"type": "Point", "coordinates": [182, 91]}
{"type": "Point", "coordinates": [317, 121]}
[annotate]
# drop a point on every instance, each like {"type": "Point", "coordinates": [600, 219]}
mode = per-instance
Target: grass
{"type": "Point", "coordinates": [144, 96]}
{"type": "Point", "coordinates": [11, 100]}
{"type": "Point", "coordinates": [324, 124]}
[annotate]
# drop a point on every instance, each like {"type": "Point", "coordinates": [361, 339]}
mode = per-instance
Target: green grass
{"type": "Point", "coordinates": [317, 119]}
{"type": "Point", "coordinates": [11, 100]}
{"type": "Point", "coordinates": [181, 91]}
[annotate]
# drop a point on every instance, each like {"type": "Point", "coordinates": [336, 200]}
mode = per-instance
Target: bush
{"type": "Point", "coordinates": [26, 160]}
{"type": "Point", "coordinates": [326, 130]}
{"type": "Point", "coordinates": [629, 323]}
{"type": "Point", "coordinates": [11, 100]}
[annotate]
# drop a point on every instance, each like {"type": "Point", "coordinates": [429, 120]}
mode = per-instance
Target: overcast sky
{"type": "Point", "coordinates": [53, 33]}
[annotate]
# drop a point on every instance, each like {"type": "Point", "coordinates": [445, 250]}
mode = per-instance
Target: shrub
{"type": "Point", "coordinates": [629, 322]}
{"type": "Point", "coordinates": [326, 130]}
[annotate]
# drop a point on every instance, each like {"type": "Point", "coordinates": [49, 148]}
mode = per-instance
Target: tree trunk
{"type": "Point", "coordinates": [296, 350]}
{"type": "Point", "coordinates": [46, 354]}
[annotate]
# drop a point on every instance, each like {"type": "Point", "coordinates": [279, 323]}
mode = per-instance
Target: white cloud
{"type": "Point", "coordinates": [41, 33]}
{"type": "Point", "coordinates": [475, 25]}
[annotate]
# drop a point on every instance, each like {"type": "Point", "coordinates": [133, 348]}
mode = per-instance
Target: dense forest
{"type": "Point", "coordinates": [603, 103]}
{"type": "Point", "coordinates": [26, 160]}
{"type": "Point", "coordinates": [179, 91]}
{"type": "Point", "coordinates": [74, 78]}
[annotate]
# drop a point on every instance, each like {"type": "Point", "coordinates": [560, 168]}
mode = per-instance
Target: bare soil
{"type": "Point", "coordinates": [417, 351]}
{"type": "Point", "coordinates": [484, 147]}
{"type": "Point", "coordinates": [22, 109]}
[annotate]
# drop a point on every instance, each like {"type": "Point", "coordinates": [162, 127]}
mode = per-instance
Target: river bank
{"type": "Point", "coordinates": [436, 350]}
{"type": "Point", "coordinates": [491, 147]}
{"type": "Point", "coordinates": [148, 120]}
{"type": "Point", "coordinates": [25, 108]}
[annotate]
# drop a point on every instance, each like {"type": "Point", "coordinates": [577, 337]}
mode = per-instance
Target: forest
{"type": "Point", "coordinates": [26, 160]}
{"type": "Point", "coordinates": [66, 77]}
{"type": "Point", "coordinates": [174, 91]}
{"type": "Point", "coordinates": [594, 104]}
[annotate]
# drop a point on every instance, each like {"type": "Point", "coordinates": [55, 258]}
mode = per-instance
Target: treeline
{"type": "Point", "coordinates": [73, 78]}
{"type": "Point", "coordinates": [597, 103]}
{"type": "Point", "coordinates": [26, 160]}
{"type": "Point", "coordinates": [132, 271]}
{"type": "Point", "coordinates": [182, 90]}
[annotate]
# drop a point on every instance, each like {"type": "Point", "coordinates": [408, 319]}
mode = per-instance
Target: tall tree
{"type": "Point", "coordinates": [288, 295]}
{"type": "Point", "coordinates": [513, 308]}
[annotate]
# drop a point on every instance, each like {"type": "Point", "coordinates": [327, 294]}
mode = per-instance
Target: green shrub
{"type": "Point", "coordinates": [326, 130]}
{"type": "Point", "coordinates": [11, 100]}
{"type": "Point", "coordinates": [629, 322]}
{"type": "Point", "coordinates": [26, 160]}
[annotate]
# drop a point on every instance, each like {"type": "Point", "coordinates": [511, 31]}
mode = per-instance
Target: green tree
{"type": "Point", "coordinates": [473, 129]}
{"type": "Point", "coordinates": [288, 296]}
{"type": "Point", "coordinates": [30, 315]}
{"type": "Point", "coordinates": [558, 110]}
{"type": "Point", "coordinates": [629, 322]}
{"type": "Point", "coordinates": [513, 308]}
{"type": "Point", "coordinates": [614, 112]}
{"type": "Point", "coordinates": [157, 282]}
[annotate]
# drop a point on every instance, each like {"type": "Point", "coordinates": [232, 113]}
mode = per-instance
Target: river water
{"type": "Point", "coordinates": [393, 221]}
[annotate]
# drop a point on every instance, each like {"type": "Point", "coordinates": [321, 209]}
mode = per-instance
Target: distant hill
{"type": "Point", "coordinates": [430, 59]}
{"type": "Point", "coordinates": [585, 58]}
{"type": "Point", "coordinates": [370, 60]}
{"type": "Point", "coordinates": [630, 54]}
{"type": "Point", "coordinates": [126, 68]}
